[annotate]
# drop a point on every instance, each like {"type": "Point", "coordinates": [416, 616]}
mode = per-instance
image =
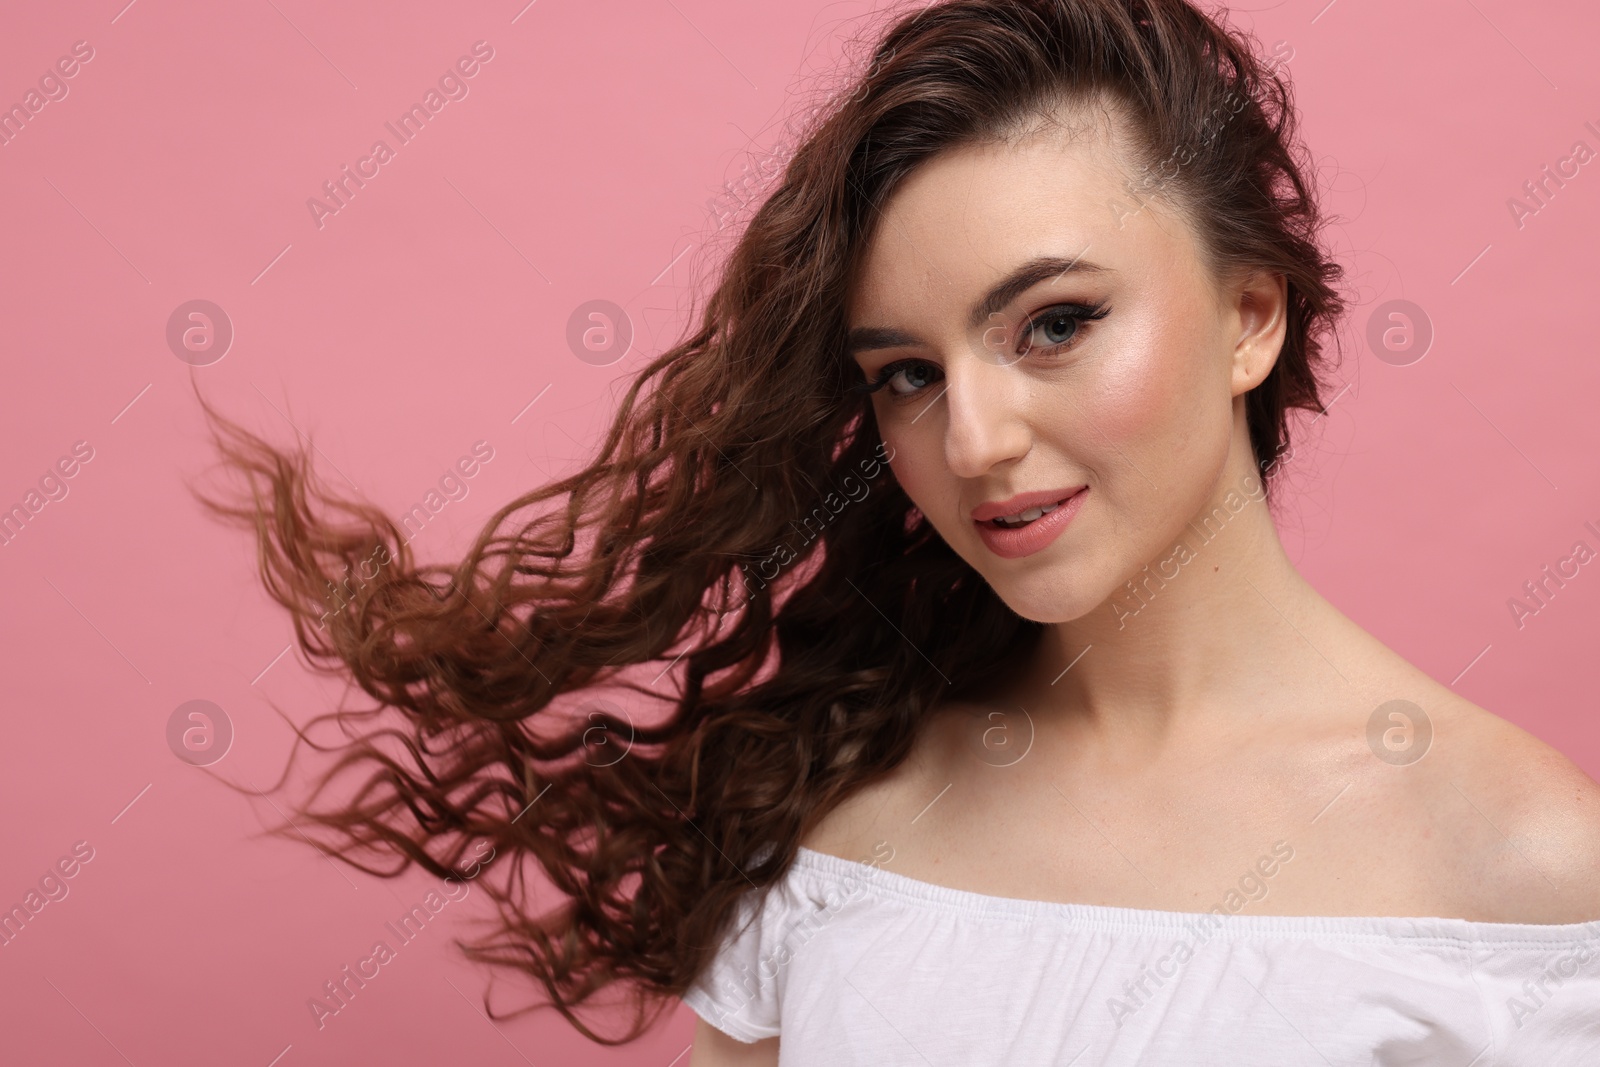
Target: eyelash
{"type": "Point", "coordinates": [1078, 313]}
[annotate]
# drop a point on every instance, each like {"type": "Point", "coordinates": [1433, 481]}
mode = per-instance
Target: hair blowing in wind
{"type": "Point", "coordinates": [775, 698]}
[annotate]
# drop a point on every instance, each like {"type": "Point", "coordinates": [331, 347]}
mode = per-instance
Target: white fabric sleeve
{"type": "Point", "coordinates": [739, 992]}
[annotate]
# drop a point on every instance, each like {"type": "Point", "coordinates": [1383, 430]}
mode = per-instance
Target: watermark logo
{"type": "Point", "coordinates": [452, 487]}
{"type": "Point", "coordinates": [339, 992]}
{"type": "Point", "coordinates": [1537, 993]}
{"type": "Point", "coordinates": [1140, 590]}
{"type": "Point", "coordinates": [15, 119]}
{"type": "Point", "coordinates": [599, 333]}
{"type": "Point", "coordinates": [994, 345]}
{"type": "Point", "coordinates": [1399, 732]}
{"type": "Point", "coordinates": [1399, 332]}
{"type": "Point", "coordinates": [52, 487]}
{"type": "Point", "coordinates": [53, 888]}
{"type": "Point", "coordinates": [610, 734]}
{"type": "Point", "coordinates": [852, 489]}
{"type": "Point", "coordinates": [1552, 578]}
{"type": "Point", "coordinates": [199, 332]}
{"type": "Point", "coordinates": [199, 732]}
{"type": "Point", "coordinates": [1542, 189]}
{"type": "Point", "coordinates": [1251, 888]}
{"type": "Point", "coordinates": [1000, 737]}
{"type": "Point", "coordinates": [1152, 180]}
{"type": "Point", "coordinates": [452, 85]}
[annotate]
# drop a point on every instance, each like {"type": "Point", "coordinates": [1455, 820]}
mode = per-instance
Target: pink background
{"type": "Point", "coordinates": [431, 310]}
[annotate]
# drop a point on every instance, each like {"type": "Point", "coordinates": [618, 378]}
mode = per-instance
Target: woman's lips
{"type": "Point", "coordinates": [1016, 542]}
{"type": "Point", "coordinates": [995, 509]}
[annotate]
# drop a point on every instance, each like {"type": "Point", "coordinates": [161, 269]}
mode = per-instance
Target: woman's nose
{"type": "Point", "coordinates": [985, 416]}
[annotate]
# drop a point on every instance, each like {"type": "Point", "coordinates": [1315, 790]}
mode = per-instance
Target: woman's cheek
{"type": "Point", "coordinates": [1134, 397]}
{"type": "Point", "coordinates": [1168, 415]}
{"type": "Point", "coordinates": [916, 461]}
{"type": "Point", "coordinates": [904, 466]}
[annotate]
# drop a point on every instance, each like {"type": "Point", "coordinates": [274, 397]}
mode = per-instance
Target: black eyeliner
{"type": "Point", "coordinates": [1080, 313]}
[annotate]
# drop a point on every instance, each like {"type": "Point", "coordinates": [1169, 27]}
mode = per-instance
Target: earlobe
{"type": "Point", "coordinates": [1253, 360]}
{"type": "Point", "coordinates": [1263, 303]}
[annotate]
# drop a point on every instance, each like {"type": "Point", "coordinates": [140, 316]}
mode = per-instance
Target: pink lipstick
{"type": "Point", "coordinates": [1036, 519]}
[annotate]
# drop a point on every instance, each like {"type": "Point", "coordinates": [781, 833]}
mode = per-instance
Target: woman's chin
{"type": "Point", "coordinates": [1039, 603]}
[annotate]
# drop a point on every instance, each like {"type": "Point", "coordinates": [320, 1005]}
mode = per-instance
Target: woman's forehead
{"type": "Point", "coordinates": [975, 212]}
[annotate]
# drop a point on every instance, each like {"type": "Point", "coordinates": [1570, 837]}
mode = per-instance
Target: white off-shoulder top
{"type": "Point", "coordinates": [854, 964]}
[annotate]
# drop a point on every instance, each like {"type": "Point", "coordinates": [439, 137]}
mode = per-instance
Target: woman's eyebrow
{"type": "Point", "coordinates": [1019, 281]}
{"type": "Point", "coordinates": [1026, 277]}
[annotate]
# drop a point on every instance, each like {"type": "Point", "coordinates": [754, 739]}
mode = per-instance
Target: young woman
{"type": "Point", "coordinates": [965, 707]}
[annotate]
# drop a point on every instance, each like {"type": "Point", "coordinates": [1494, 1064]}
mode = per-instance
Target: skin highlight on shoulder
{"type": "Point", "coordinates": [1545, 810]}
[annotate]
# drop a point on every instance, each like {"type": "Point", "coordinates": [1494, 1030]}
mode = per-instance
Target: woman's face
{"type": "Point", "coordinates": [975, 300]}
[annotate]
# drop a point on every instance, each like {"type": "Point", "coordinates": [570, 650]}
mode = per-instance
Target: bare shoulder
{"type": "Point", "coordinates": [849, 828]}
{"type": "Point", "coordinates": [713, 1048]}
{"type": "Point", "coordinates": [887, 808]}
{"type": "Point", "coordinates": [1542, 805]}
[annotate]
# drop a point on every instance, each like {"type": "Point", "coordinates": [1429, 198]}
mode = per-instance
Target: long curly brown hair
{"type": "Point", "coordinates": [737, 566]}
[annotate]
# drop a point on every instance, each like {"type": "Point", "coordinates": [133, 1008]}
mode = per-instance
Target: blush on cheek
{"type": "Point", "coordinates": [1133, 399]}
{"type": "Point", "coordinates": [902, 462]}
{"type": "Point", "coordinates": [1161, 386]}
{"type": "Point", "coordinates": [916, 462]}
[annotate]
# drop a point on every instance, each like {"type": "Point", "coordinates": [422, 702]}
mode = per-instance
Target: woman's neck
{"type": "Point", "coordinates": [1192, 640]}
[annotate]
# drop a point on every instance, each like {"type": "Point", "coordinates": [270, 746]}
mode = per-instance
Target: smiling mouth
{"type": "Point", "coordinates": [1023, 518]}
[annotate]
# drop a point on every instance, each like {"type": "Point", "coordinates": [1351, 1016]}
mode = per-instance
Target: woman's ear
{"type": "Point", "coordinates": [1261, 305]}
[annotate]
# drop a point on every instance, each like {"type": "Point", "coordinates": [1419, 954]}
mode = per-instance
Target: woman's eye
{"type": "Point", "coordinates": [916, 376]}
{"type": "Point", "coordinates": [1052, 329]}
{"type": "Point", "coordinates": [904, 377]}
{"type": "Point", "coordinates": [1049, 332]}
{"type": "Point", "coordinates": [1058, 328]}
